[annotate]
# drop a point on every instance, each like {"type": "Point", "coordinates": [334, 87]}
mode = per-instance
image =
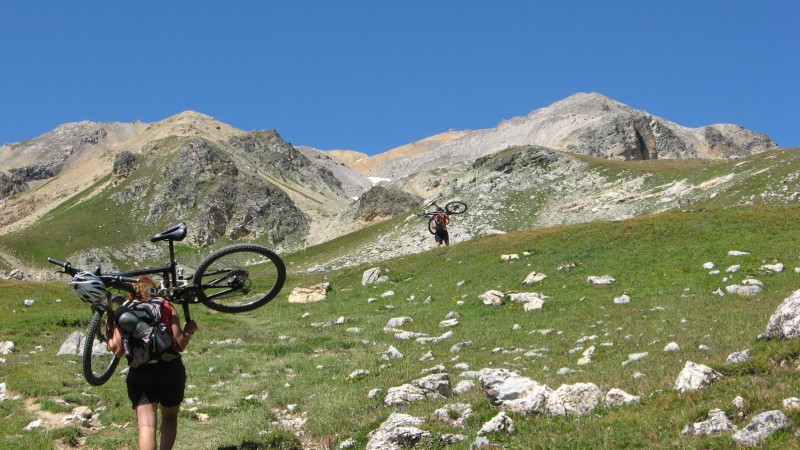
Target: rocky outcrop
{"type": "Point", "coordinates": [382, 201]}
{"type": "Point", "coordinates": [205, 186]}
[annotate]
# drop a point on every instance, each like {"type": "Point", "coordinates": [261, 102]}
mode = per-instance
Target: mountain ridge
{"type": "Point", "coordinates": [316, 188]}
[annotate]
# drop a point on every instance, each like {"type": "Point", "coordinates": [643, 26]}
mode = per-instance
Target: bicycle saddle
{"type": "Point", "coordinates": [175, 233]}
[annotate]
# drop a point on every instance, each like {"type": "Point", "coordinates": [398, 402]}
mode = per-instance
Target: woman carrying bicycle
{"type": "Point", "coordinates": [157, 382]}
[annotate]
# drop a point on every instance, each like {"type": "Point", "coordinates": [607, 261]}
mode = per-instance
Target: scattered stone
{"type": "Point", "coordinates": [618, 397]}
{"type": "Point", "coordinates": [398, 431]}
{"type": "Point", "coordinates": [391, 353]}
{"type": "Point", "coordinates": [448, 323]}
{"type": "Point", "coordinates": [28, 302]}
{"type": "Point", "coordinates": [708, 265]}
{"type": "Point", "coordinates": [744, 291]}
{"type": "Point", "coordinates": [315, 293]}
{"type": "Point", "coordinates": [463, 386]}
{"type": "Point", "coordinates": [500, 422]}
{"type": "Point", "coordinates": [492, 298]}
{"type": "Point", "coordinates": [73, 345]}
{"type": "Point", "coordinates": [602, 281]}
{"type": "Point", "coordinates": [773, 267]}
{"type": "Point", "coordinates": [791, 404]}
{"type": "Point", "coordinates": [761, 427]}
{"type": "Point", "coordinates": [370, 276]}
{"type": "Point", "coordinates": [574, 399]}
{"type": "Point", "coordinates": [533, 278]}
{"type": "Point", "coordinates": [357, 375]}
{"type": "Point", "coordinates": [717, 422]}
{"type": "Point", "coordinates": [7, 347]}
{"type": "Point", "coordinates": [635, 357]}
{"type": "Point", "coordinates": [457, 347]}
{"type": "Point", "coordinates": [737, 253]}
{"type": "Point", "coordinates": [622, 300]}
{"type": "Point", "coordinates": [387, 294]}
{"type": "Point", "coordinates": [432, 386]}
{"type": "Point", "coordinates": [734, 268]}
{"type": "Point", "coordinates": [672, 347]}
{"type": "Point", "coordinates": [509, 257]}
{"type": "Point", "coordinates": [695, 376]}
{"type": "Point", "coordinates": [398, 322]}
{"type": "Point", "coordinates": [740, 357]}
{"type": "Point", "coordinates": [462, 411]}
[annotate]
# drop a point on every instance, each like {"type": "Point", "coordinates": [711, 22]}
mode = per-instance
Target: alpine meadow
{"type": "Point", "coordinates": [617, 281]}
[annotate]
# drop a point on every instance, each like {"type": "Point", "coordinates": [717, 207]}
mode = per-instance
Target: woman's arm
{"type": "Point", "coordinates": [182, 336]}
{"type": "Point", "coordinates": [115, 339]}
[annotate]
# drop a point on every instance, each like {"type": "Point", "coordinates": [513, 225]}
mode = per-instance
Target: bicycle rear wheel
{"type": "Point", "coordinates": [98, 363]}
{"type": "Point", "coordinates": [455, 208]}
{"type": "Point", "coordinates": [239, 278]}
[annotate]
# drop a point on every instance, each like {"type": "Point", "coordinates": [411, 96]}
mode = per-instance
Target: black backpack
{"type": "Point", "coordinates": [146, 337]}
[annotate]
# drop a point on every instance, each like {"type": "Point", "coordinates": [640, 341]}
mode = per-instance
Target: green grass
{"type": "Point", "coordinates": [284, 360]}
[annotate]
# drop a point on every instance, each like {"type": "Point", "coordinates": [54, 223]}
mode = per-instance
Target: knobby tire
{"type": "Point", "coordinates": [98, 373]}
{"type": "Point", "coordinates": [239, 278]}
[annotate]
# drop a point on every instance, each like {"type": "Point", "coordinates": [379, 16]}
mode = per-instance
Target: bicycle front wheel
{"type": "Point", "coordinates": [431, 226]}
{"type": "Point", "coordinates": [239, 278]}
{"type": "Point", "coordinates": [98, 363]}
{"type": "Point", "coordinates": [455, 208]}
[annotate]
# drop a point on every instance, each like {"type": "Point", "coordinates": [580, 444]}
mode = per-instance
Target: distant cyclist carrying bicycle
{"type": "Point", "coordinates": [439, 221]}
{"type": "Point", "coordinates": [439, 218]}
{"type": "Point", "coordinates": [146, 329]}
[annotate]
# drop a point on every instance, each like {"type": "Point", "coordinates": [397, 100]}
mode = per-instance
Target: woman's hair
{"type": "Point", "coordinates": [144, 288]}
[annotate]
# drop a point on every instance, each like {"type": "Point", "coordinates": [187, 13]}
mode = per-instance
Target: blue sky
{"type": "Point", "coordinates": [372, 75]}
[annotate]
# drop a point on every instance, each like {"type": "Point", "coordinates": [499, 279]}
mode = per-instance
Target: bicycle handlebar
{"type": "Point", "coordinates": [107, 279]}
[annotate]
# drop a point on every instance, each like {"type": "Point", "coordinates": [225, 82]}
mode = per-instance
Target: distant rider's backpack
{"type": "Point", "coordinates": [146, 336]}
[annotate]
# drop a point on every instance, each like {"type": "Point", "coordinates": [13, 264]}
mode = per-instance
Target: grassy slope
{"type": "Point", "coordinates": [657, 260]}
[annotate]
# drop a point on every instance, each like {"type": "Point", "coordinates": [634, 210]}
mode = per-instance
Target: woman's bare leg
{"type": "Point", "coordinates": [146, 419]}
{"type": "Point", "coordinates": [169, 426]}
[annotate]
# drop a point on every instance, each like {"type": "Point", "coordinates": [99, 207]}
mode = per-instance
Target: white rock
{"type": "Point", "coordinates": [737, 253]}
{"type": "Point", "coordinates": [672, 347]}
{"type": "Point", "coordinates": [791, 404]}
{"type": "Point", "coordinates": [622, 299]}
{"type": "Point", "coordinates": [604, 280]}
{"type": "Point", "coordinates": [533, 278]}
{"type": "Point", "coordinates": [708, 265]}
{"type": "Point", "coordinates": [618, 397]}
{"type": "Point", "coordinates": [773, 267]}
{"type": "Point", "coordinates": [492, 298]}
{"type": "Point", "coordinates": [28, 302]}
{"type": "Point", "coordinates": [734, 268]}
{"type": "Point", "coordinates": [695, 376]}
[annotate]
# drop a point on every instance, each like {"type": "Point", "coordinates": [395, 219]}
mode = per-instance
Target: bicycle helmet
{"type": "Point", "coordinates": [89, 288]}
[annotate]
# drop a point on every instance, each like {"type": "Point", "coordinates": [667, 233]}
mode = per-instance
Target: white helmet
{"type": "Point", "coordinates": [89, 288]}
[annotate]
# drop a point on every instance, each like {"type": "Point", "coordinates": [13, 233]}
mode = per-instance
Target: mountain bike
{"type": "Point", "coordinates": [233, 279]}
{"type": "Point", "coordinates": [454, 207]}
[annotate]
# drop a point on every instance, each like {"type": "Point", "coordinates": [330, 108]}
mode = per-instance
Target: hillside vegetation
{"type": "Point", "coordinates": [251, 372]}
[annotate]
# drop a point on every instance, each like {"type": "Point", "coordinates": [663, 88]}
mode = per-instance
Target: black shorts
{"type": "Point", "coordinates": [442, 236]}
{"type": "Point", "coordinates": [162, 382]}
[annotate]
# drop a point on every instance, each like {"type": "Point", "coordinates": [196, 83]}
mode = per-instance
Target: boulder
{"type": "Point", "coordinates": [370, 276]}
{"type": "Point", "coordinates": [396, 432]}
{"type": "Point", "coordinates": [574, 399]}
{"type": "Point", "coordinates": [761, 427]}
{"type": "Point", "coordinates": [785, 321]}
{"type": "Point", "coordinates": [498, 423]}
{"type": "Point", "coordinates": [436, 385]}
{"type": "Point", "coordinates": [695, 376]}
